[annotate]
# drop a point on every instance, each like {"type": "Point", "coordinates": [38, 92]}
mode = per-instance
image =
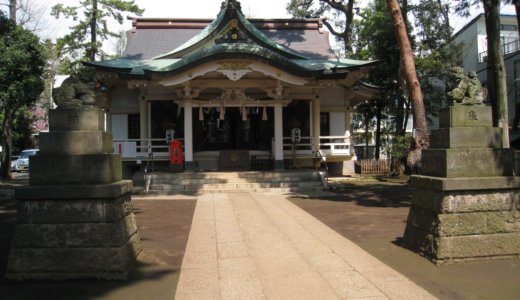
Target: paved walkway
{"type": "Point", "coordinates": [262, 246]}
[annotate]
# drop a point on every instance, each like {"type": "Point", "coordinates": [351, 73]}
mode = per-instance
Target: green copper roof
{"type": "Point", "coordinates": [132, 66]}
{"type": "Point", "coordinates": [230, 51]}
{"type": "Point", "coordinates": [249, 43]}
{"type": "Point", "coordinates": [235, 51]}
{"type": "Point", "coordinates": [229, 12]}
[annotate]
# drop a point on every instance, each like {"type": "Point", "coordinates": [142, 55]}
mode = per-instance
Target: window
{"type": "Point", "coordinates": [324, 124]}
{"type": "Point", "coordinates": [508, 27]}
{"type": "Point", "coordinates": [134, 126]}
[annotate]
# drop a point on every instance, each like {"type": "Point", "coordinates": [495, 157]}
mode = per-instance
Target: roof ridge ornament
{"type": "Point", "coordinates": [231, 4]}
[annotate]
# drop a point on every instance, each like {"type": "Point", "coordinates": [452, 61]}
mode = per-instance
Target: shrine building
{"type": "Point", "coordinates": [233, 87]}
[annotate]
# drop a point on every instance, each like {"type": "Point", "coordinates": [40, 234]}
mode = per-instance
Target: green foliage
{"type": "Point", "coordinates": [376, 40]}
{"type": "Point", "coordinates": [22, 130]}
{"type": "Point", "coordinates": [21, 69]}
{"type": "Point", "coordinates": [21, 66]}
{"type": "Point", "coordinates": [434, 51]}
{"type": "Point", "coordinates": [341, 23]}
{"type": "Point", "coordinates": [396, 145]}
{"type": "Point", "coordinates": [305, 9]}
{"type": "Point", "coordinates": [82, 42]}
{"type": "Point", "coordinates": [365, 113]}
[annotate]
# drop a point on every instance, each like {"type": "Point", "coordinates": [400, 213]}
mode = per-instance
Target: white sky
{"type": "Point", "coordinates": [174, 9]}
{"type": "Point", "coordinates": [199, 9]}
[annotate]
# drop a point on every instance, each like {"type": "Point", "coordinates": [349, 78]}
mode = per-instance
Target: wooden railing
{"type": "Point", "coordinates": [372, 167]}
{"type": "Point", "coordinates": [507, 48]}
{"type": "Point", "coordinates": [140, 149]}
{"type": "Point", "coordinates": [326, 145]}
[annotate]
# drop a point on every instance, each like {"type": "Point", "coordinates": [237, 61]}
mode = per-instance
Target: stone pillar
{"type": "Point", "coordinates": [143, 120]}
{"type": "Point", "coordinates": [278, 136]}
{"type": "Point", "coordinates": [75, 218]}
{"type": "Point", "coordinates": [348, 165]}
{"type": "Point", "coordinates": [465, 203]}
{"type": "Point", "coordinates": [188, 135]}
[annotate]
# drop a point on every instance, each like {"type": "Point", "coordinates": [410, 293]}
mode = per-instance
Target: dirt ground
{"type": "Point", "coordinates": [370, 213]}
{"type": "Point", "coordinates": [373, 215]}
{"type": "Point", "coordinates": [163, 226]}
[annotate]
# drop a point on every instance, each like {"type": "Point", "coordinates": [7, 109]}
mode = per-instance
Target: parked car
{"type": "Point", "coordinates": [22, 163]}
{"type": "Point", "coordinates": [14, 158]}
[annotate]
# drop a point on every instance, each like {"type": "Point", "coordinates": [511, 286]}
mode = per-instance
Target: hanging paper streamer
{"type": "Point", "coordinates": [264, 114]}
{"type": "Point", "coordinates": [244, 114]}
{"type": "Point", "coordinates": [201, 114]}
{"type": "Point", "coordinates": [222, 112]}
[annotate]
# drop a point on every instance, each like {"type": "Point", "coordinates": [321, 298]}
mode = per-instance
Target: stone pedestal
{"type": "Point", "coordinates": [75, 219]}
{"type": "Point", "coordinates": [466, 202]}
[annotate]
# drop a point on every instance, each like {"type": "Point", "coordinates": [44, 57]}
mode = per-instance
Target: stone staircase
{"type": "Point", "coordinates": [234, 182]}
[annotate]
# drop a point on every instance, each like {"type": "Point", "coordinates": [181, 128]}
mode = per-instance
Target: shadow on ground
{"type": "Point", "coordinates": [163, 227]}
{"type": "Point", "coordinates": [373, 215]}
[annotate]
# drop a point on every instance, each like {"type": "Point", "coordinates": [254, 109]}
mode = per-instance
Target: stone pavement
{"type": "Point", "coordinates": [262, 246]}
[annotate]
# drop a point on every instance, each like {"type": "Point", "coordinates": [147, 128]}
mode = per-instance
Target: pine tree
{"type": "Point", "coordinates": [343, 11]}
{"type": "Point", "coordinates": [421, 140]}
{"type": "Point", "coordinates": [87, 34]}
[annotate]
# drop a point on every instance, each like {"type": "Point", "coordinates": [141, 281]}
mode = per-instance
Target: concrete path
{"type": "Point", "coordinates": [262, 246]}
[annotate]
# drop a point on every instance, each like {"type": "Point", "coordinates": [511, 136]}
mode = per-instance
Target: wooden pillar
{"type": "Point", "coordinates": [316, 119]}
{"type": "Point", "coordinates": [143, 119]}
{"type": "Point", "coordinates": [188, 135]}
{"type": "Point", "coordinates": [278, 136]}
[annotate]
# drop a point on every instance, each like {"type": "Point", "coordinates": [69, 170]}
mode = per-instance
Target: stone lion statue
{"type": "Point", "coordinates": [77, 90]}
{"type": "Point", "coordinates": [464, 90]}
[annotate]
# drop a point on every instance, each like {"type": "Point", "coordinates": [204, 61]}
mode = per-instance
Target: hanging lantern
{"type": "Point", "coordinates": [264, 114]}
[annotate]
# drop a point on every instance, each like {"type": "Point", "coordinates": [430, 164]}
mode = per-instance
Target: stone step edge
{"type": "Point", "coordinates": [235, 180]}
{"type": "Point", "coordinates": [233, 175]}
{"type": "Point", "coordinates": [220, 191]}
{"type": "Point", "coordinates": [237, 185]}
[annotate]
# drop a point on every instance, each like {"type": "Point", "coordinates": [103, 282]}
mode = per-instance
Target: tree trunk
{"type": "Point", "coordinates": [347, 37]}
{"type": "Point", "coordinates": [516, 3]}
{"type": "Point", "coordinates": [366, 137]}
{"type": "Point", "coordinates": [7, 143]}
{"type": "Point", "coordinates": [12, 10]}
{"type": "Point", "coordinates": [400, 121]}
{"type": "Point", "coordinates": [496, 75]}
{"type": "Point", "coordinates": [516, 119]}
{"type": "Point", "coordinates": [93, 32]}
{"type": "Point", "coordinates": [346, 34]}
{"type": "Point", "coordinates": [421, 140]}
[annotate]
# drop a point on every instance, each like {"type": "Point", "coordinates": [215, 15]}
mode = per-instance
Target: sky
{"type": "Point", "coordinates": [196, 9]}
{"type": "Point", "coordinates": [176, 9]}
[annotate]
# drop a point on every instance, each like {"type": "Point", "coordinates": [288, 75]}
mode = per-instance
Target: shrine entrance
{"type": "Point", "coordinates": [237, 128]}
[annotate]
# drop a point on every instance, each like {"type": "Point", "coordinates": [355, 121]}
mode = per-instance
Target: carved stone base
{"type": "Point", "coordinates": [75, 238]}
{"type": "Point", "coordinates": [460, 219]}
